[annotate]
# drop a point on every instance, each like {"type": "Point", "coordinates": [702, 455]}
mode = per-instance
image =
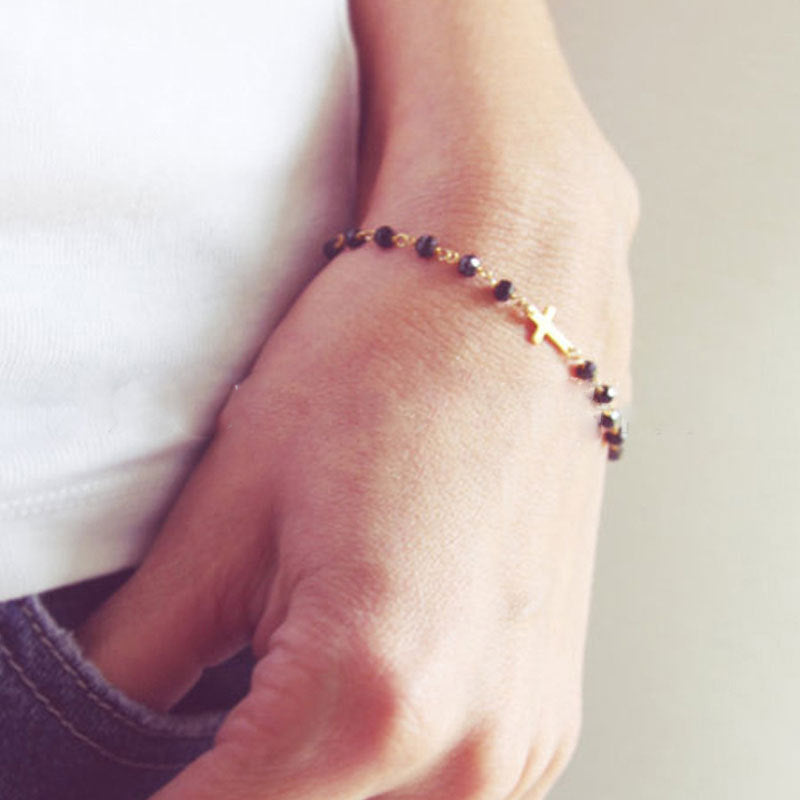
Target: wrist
{"type": "Point", "coordinates": [520, 312]}
{"type": "Point", "coordinates": [453, 307]}
{"type": "Point", "coordinates": [558, 259]}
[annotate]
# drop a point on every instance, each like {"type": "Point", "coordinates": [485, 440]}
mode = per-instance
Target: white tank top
{"type": "Point", "coordinates": [168, 172]}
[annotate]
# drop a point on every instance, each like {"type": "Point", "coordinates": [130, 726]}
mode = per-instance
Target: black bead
{"type": "Point", "coordinates": [384, 237]}
{"type": "Point", "coordinates": [426, 246]}
{"type": "Point", "coordinates": [468, 265]}
{"type": "Point", "coordinates": [609, 419]}
{"type": "Point", "coordinates": [615, 453]}
{"type": "Point", "coordinates": [604, 394]}
{"type": "Point", "coordinates": [353, 238]}
{"type": "Point", "coordinates": [503, 289]}
{"type": "Point", "coordinates": [616, 437]}
{"type": "Point", "coordinates": [333, 247]}
{"type": "Point", "coordinates": [585, 370]}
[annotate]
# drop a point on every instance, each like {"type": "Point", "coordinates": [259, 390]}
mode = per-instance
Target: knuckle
{"type": "Point", "coordinates": [404, 729]}
{"type": "Point", "coordinates": [559, 759]}
{"type": "Point", "coordinates": [554, 767]}
{"type": "Point", "coordinates": [378, 715]}
{"type": "Point", "coordinates": [547, 761]}
{"type": "Point", "coordinates": [401, 722]}
{"type": "Point", "coordinates": [493, 769]}
{"type": "Point", "coordinates": [538, 756]}
{"type": "Point", "coordinates": [371, 706]}
{"type": "Point", "coordinates": [567, 731]}
{"type": "Point", "coordinates": [470, 771]}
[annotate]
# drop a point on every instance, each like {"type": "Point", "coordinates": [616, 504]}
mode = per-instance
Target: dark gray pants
{"type": "Point", "coordinates": [66, 734]}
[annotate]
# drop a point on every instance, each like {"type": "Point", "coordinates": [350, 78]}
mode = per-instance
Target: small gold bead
{"type": "Point", "coordinates": [446, 255]}
{"type": "Point", "coordinates": [521, 302]}
{"type": "Point", "coordinates": [400, 240]}
{"type": "Point", "coordinates": [574, 355]}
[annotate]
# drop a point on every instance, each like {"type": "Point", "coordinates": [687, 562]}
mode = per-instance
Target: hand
{"type": "Point", "coordinates": [398, 510]}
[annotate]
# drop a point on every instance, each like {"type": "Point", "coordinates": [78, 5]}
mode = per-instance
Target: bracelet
{"type": "Point", "coordinates": [613, 430]}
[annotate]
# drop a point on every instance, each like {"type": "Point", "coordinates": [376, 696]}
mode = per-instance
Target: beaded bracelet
{"type": "Point", "coordinates": [612, 427]}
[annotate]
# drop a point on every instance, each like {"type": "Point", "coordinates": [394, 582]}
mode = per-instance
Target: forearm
{"type": "Point", "coordinates": [459, 93]}
{"type": "Point", "coordinates": [473, 129]}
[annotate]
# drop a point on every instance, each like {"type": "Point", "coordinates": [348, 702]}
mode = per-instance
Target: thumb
{"type": "Point", "coordinates": [187, 606]}
{"type": "Point", "coordinates": [317, 724]}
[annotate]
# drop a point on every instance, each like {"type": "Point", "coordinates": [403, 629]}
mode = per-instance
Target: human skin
{"type": "Point", "coordinates": [399, 505]}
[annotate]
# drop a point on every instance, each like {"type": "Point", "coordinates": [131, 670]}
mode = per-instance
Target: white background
{"type": "Point", "coordinates": [693, 665]}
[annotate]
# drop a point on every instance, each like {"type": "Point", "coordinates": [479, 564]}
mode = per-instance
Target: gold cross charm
{"type": "Point", "coordinates": [545, 329]}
